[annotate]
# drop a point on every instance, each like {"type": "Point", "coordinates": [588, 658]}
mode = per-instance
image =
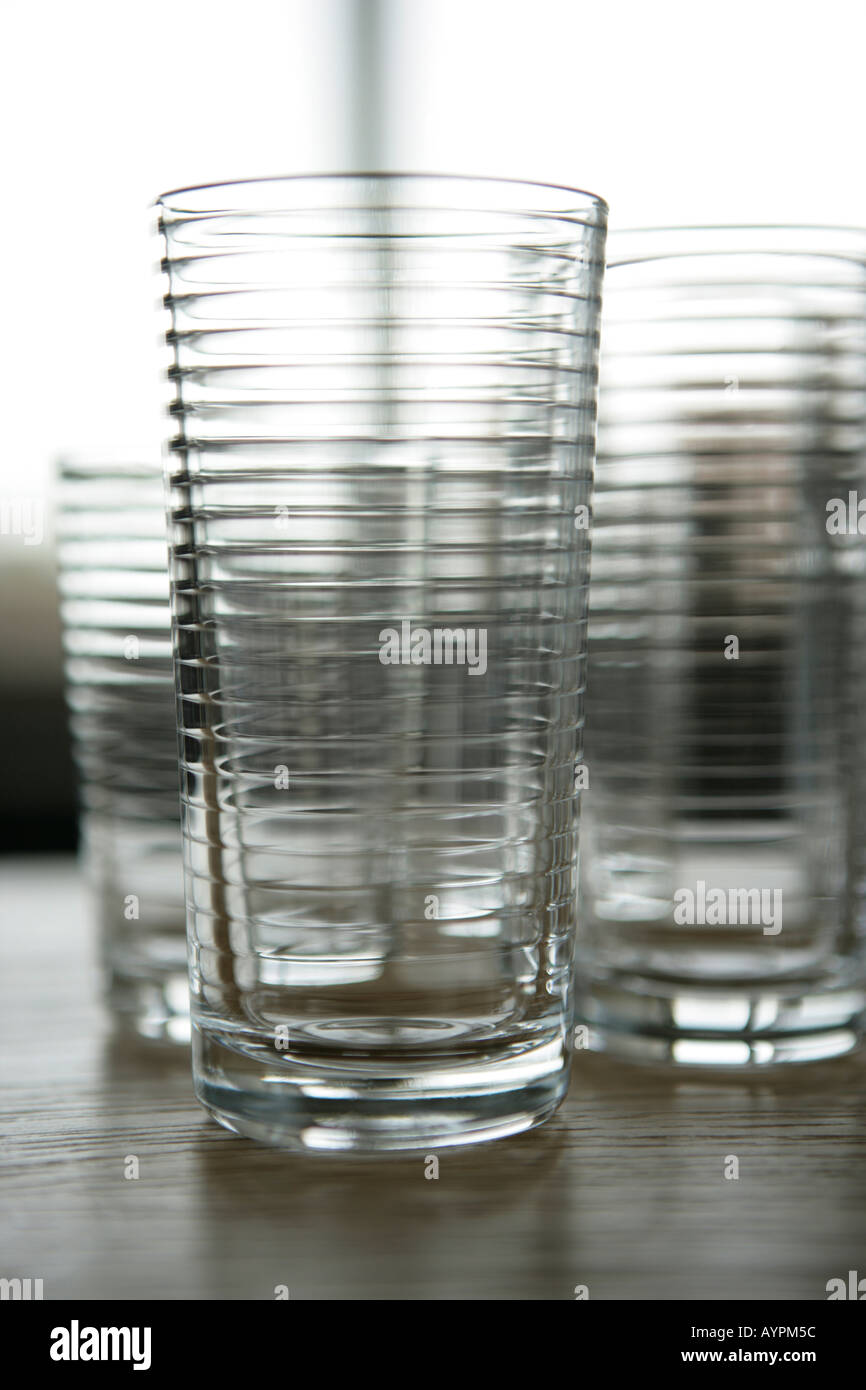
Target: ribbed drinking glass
{"type": "Point", "coordinates": [722, 893]}
{"type": "Point", "coordinates": [114, 604]}
{"type": "Point", "coordinates": [386, 414]}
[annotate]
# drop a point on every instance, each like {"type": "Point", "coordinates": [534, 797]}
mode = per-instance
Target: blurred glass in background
{"type": "Point", "coordinates": [114, 604]}
{"type": "Point", "coordinates": [722, 907]}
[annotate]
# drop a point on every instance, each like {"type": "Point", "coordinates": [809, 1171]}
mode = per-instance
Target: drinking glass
{"type": "Point", "coordinates": [386, 415]}
{"type": "Point", "coordinates": [722, 893]}
{"type": "Point", "coordinates": [116, 618]}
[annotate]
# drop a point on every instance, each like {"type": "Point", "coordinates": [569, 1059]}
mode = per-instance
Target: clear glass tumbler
{"type": "Point", "coordinates": [114, 604]}
{"type": "Point", "coordinates": [386, 396]}
{"type": "Point", "coordinates": [722, 892]}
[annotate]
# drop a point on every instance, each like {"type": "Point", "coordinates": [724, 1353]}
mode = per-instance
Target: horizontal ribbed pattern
{"type": "Point", "coordinates": [385, 416]}
{"type": "Point", "coordinates": [733, 408]}
{"type": "Point", "coordinates": [114, 604]}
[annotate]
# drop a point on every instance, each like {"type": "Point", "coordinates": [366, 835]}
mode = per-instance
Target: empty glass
{"type": "Point", "coordinates": [722, 903]}
{"type": "Point", "coordinates": [386, 410]}
{"type": "Point", "coordinates": [114, 603]}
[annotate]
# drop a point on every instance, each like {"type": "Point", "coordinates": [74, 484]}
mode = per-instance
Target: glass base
{"type": "Point", "coordinates": [154, 1007]}
{"type": "Point", "coordinates": [650, 1021]}
{"type": "Point", "coordinates": [358, 1106]}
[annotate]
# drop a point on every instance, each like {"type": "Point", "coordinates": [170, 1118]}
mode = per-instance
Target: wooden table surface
{"type": "Point", "coordinates": [624, 1191]}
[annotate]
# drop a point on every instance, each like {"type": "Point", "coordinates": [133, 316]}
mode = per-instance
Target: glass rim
{"type": "Point", "coordinates": [587, 202]}
{"type": "Point", "coordinates": [642, 245]}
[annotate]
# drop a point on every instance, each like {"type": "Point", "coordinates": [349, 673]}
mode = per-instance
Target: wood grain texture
{"type": "Point", "coordinates": [624, 1191]}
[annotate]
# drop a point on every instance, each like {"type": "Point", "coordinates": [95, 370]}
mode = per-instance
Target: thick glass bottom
{"type": "Point", "coordinates": [361, 1106]}
{"type": "Point", "coordinates": [652, 1021]}
{"type": "Point", "coordinates": [153, 1006]}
